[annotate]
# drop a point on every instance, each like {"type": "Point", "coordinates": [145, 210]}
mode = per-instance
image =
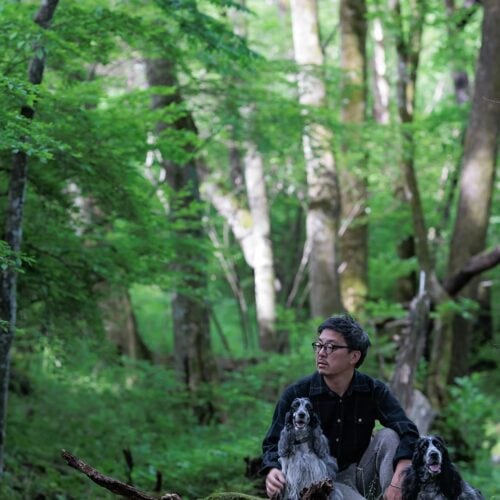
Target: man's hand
{"type": "Point", "coordinates": [275, 481]}
{"type": "Point", "coordinates": [393, 491]}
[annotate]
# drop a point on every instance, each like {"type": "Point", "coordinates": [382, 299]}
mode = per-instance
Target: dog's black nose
{"type": "Point", "coordinates": [434, 455]}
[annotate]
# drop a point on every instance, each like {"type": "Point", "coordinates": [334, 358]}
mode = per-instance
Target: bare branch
{"type": "Point", "coordinates": [474, 266]}
{"type": "Point", "coordinates": [110, 483]}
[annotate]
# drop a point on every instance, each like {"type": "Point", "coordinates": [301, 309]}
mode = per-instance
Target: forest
{"type": "Point", "coordinates": [189, 187]}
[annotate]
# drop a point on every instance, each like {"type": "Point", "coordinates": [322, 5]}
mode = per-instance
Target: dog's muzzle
{"type": "Point", "coordinates": [300, 420]}
{"type": "Point", "coordinates": [433, 463]}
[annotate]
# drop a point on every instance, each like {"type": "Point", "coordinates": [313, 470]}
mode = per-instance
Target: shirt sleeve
{"type": "Point", "coordinates": [392, 415]}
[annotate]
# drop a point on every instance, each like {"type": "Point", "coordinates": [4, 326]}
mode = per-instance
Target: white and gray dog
{"type": "Point", "coordinates": [432, 475]}
{"type": "Point", "coordinates": [304, 453]}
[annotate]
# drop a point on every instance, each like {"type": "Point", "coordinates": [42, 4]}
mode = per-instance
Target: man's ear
{"type": "Point", "coordinates": [355, 356]}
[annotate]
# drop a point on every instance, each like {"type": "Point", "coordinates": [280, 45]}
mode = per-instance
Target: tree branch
{"type": "Point", "coordinates": [111, 484]}
{"type": "Point", "coordinates": [475, 265]}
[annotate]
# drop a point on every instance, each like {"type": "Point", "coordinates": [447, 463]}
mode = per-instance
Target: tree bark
{"type": "Point", "coordinates": [354, 239]}
{"type": "Point", "coordinates": [194, 360]}
{"type": "Point", "coordinates": [410, 351]}
{"type": "Point", "coordinates": [264, 275]}
{"type": "Point", "coordinates": [323, 190]}
{"type": "Point", "coordinates": [110, 483]}
{"type": "Point", "coordinates": [14, 226]}
{"type": "Point", "coordinates": [265, 295]}
{"type": "Point", "coordinates": [408, 50]}
{"type": "Point", "coordinates": [478, 170]}
{"type": "Point", "coordinates": [120, 322]}
{"type": "Point", "coordinates": [380, 84]}
{"type": "Point", "coordinates": [458, 74]}
{"type": "Point", "coordinates": [475, 265]}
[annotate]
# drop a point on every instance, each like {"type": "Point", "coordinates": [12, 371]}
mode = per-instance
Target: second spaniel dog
{"type": "Point", "coordinates": [432, 475]}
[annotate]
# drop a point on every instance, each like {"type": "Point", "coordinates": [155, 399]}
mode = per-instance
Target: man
{"type": "Point", "coordinates": [348, 403]}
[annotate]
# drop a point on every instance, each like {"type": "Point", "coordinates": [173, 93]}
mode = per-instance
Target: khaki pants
{"type": "Point", "coordinates": [373, 474]}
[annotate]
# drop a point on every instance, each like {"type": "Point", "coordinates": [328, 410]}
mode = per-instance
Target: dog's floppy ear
{"type": "Point", "coordinates": [440, 440]}
{"type": "Point", "coordinates": [314, 422]}
{"type": "Point", "coordinates": [441, 443]}
{"type": "Point", "coordinates": [418, 454]}
{"type": "Point", "coordinates": [288, 419]}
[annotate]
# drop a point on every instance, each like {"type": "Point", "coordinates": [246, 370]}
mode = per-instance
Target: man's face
{"type": "Point", "coordinates": [340, 360]}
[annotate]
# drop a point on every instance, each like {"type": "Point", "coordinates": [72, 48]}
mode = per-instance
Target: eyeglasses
{"type": "Point", "coordinates": [329, 348]}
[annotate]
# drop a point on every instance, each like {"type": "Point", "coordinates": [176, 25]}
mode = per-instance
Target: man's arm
{"type": "Point", "coordinates": [392, 415]}
{"type": "Point", "coordinates": [393, 491]}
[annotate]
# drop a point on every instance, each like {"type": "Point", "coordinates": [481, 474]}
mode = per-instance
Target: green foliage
{"type": "Point", "coordinates": [93, 223]}
{"type": "Point", "coordinates": [462, 306]}
{"type": "Point", "coordinates": [83, 400]}
{"type": "Point", "coordinates": [469, 425]}
{"type": "Point", "coordinates": [467, 416]}
{"type": "Point", "coordinates": [151, 307]}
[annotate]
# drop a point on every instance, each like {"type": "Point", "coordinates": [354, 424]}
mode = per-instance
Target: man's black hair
{"type": "Point", "coordinates": [355, 337]}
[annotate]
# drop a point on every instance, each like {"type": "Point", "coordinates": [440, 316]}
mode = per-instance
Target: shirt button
{"type": "Point", "coordinates": [338, 420]}
{"type": "Point", "coordinates": [360, 420]}
{"type": "Point", "coordinates": [336, 440]}
{"type": "Point", "coordinates": [340, 401]}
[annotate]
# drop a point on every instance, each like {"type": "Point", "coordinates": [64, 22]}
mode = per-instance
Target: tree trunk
{"type": "Point", "coordinates": [381, 86]}
{"type": "Point", "coordinates": [322, 221]}
{"type": "Point", "coordinates": [120, 323]}
{"type": "Point", "coordinates": [265, 295]}
{"type": "Point", "coordinates": [459, 75]}
{"type": "Point", "coordinates": [410, 351]}
{"type": "Point", "coordinates": [408, 50]}
{"type": "Point", "coordinates": [354, 239]}
{"type": "Point", "coordinates": [408, 53]}
{"type": "Point", "coordinates": [478, 170]}
{"type": "Point", "coordinates": [263, 265]}
{"type": "Point", "coordinates": [194, 358]}
{"type": "Point", "coordinates": [13, 229]}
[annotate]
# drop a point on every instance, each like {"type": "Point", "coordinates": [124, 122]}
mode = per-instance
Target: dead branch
{"type": "Point", "coordinates": [475, 265]}
{"type": "Point", "coordinates": [110, 483]}
{"type": "Point", "coordinates": [319, 491]}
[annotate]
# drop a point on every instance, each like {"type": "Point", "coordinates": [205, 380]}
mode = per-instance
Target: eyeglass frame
{"type": "Point", "coordinates": [329, 347]}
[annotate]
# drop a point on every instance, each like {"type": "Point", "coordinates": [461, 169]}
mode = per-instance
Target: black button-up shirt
{"type": "Point", "coordinates": [347, 421]}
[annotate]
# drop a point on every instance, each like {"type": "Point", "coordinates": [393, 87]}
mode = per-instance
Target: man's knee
{"type": "Point", "coordinates": [386, 438]}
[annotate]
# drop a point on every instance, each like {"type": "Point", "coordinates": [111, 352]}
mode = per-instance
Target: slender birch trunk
{"type": "Point", "coordinates": [322, 222]}
{"type": "Point", "coordinates": [381, 87]}
{"type": "Point", "coordinates": [14, 229]}
{"type": "Point", "coordinates": [265, 296]}
{"type": "Point", "coordinates": [263, 265]}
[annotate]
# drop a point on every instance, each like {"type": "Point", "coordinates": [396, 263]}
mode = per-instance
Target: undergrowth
{"type": "Point", "coordinates": [95, 409]}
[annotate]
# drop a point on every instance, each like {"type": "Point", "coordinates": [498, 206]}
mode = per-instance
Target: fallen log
{"type": "Point", "coordinates": [114, 485]}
